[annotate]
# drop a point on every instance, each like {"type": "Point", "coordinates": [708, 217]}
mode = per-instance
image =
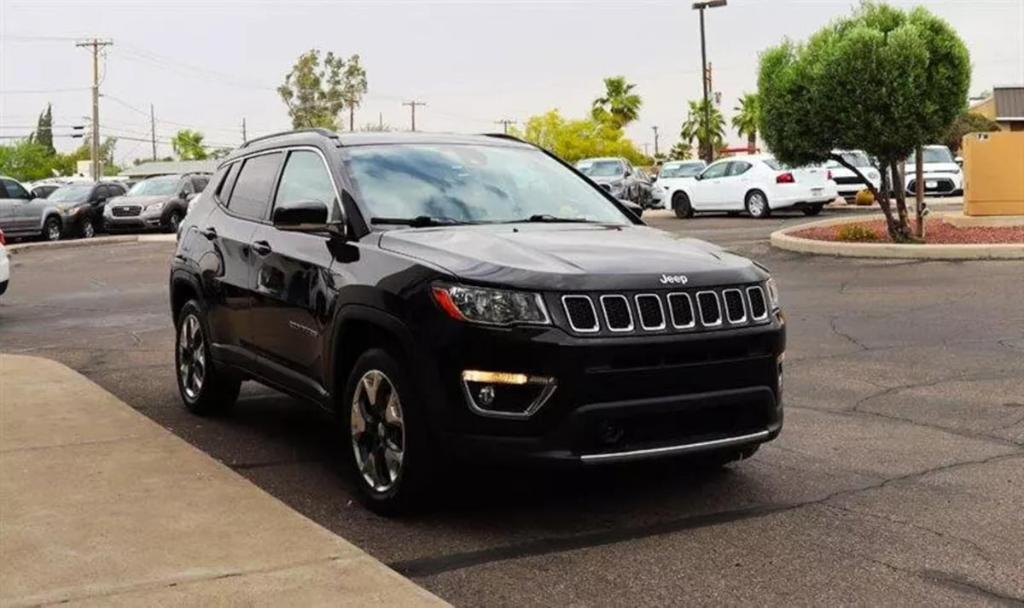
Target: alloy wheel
{"type": "Point", "coordinates": [756, 204]}
{"type": "Point", "coordinates": [88, 231]}
{"type": "Point", "coordinates": [191, 357]}
{"type": "Point", "coordinates": [52, 231]}
{"type": "Point", "coordinates": [378, 431]}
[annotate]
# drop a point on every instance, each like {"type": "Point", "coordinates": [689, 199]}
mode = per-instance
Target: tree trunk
{"type": "Point", "coordinates": [899, 187]}
{"type": "Point", "coordinates": [351, 118]}
{"type": "Point", "coordinates": [882, 197]}
{"type": "Point", "coordinates": [919, 191]}
{"type": "Point", "coordinates": [752, 143]}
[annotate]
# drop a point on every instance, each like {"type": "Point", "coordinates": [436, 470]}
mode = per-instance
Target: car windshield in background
{"type": "Point", "coordinates": [154, 187]}
{"type": "Point", "coordinates": [473, 183]}
{"type": "Point", "coordinates": [601, 168]}
{"type": "Point", "coordinates": [857, 159]}
{"type": "Point", "coordinates": [932, 155]}
{"type": "Point", "coordinates": [687, 170]}
{"type": "Point", "coordinates": [71, 194]}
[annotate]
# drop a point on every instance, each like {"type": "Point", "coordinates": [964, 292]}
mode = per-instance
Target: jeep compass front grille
{"type": "Point", "coordinates": [665, 312]}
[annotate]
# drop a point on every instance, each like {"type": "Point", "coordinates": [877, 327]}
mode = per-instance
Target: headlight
{"type": "Point", "coordinates": [773, 293]}
{"type": "Point", "coordinates": [152, 206]}
{"type": "Point", "coordinates": [491, 306]}
{"type": "Point", "coordinates": [68, 210]}
{"type": "Point", "coordinates": [873, 176]}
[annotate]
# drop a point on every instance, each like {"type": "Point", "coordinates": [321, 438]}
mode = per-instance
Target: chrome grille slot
{"type": "Point", "coordinates": [617, 315]}
{"type": "Point", "coordinates": [680, 306]}
{"type": "Point", "coordinates": [650, 312]}
{"type": "Point", "coordinates": [758, 306]}
{"type": "Point", "coordinates": [126, 211]}
{"type": "Point", "coordinates": [579, 310]}
{"type": "Point", "coordinates": [735, 311]}
{"type": "Point", "coordinates": [710, 310]}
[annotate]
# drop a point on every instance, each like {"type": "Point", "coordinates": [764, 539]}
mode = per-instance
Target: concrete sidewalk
{"type": "Point", "coordinates": [101, 506]}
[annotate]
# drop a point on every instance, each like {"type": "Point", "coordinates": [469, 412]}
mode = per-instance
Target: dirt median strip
{"type": "Point", "coordinates": [100, 505]}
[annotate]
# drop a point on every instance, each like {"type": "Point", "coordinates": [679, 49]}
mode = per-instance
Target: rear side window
{"type": "Point", "coordinates": [199, 183]}
{"type": "Point", "coordinates": [774, 164]}
{"type": "Point", "coordinates": [305, 178]}
{"type": "Point", "coordinates": [738, 168]}
{"type": "Point", "coordinates": [227, 182]}
{"type": "Point", "coordinates": [251, 194]}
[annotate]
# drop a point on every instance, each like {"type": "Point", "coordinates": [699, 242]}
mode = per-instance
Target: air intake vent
{"type": "Point", "coordinates": [734, 309]}
{"type": "Point", "coordinates": [758, 307]}
{"type": "Point", "coordinates": [710, 313]}
{"type": "Point", "coordinates": [580, 312]}
{"type": "Point", "coordinates": [681, 308]}
{"type": "Point", "coordinates": [652, 315]}
{"type": "Point", "coordinates": [616, 313]}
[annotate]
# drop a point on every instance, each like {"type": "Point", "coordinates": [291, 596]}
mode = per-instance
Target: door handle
{"type": "Point", "coordinates": [210, 233]}
{"type": "Point", "coordinates": [261, 247]}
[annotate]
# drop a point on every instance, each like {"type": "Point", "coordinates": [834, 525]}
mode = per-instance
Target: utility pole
{"type": "Point", "coordinates": [412, 105]}
{"type": "Point", "coordinates": [380, 120]}
{"type": "Point", "coordinates": [245, 136]}
{"type": "Point", "coordinates": [505, 122]}
{"type": "Point", "coordinates": [96, 45]}
{"type": "Point", "coordinates": [152, 129]}
{"type": "Point", "coordinates": [709, 153]}
{"type": "Point", "coordinates": [655, 129]}
{"type": "Point", "coordinates": [647, 148]}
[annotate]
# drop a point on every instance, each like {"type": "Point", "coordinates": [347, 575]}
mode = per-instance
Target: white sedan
{"type": "Point", "coordinates": [757, 184]}
{"type": "Point", "coordinates": [671, 175]}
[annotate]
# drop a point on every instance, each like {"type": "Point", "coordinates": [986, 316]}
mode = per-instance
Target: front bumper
{"type": "Point", "coordinates": [937, 183]}
{"type": "Point", "coordinates": [617, 399]}
{"type": "Point", "coordinates": [144, 220]}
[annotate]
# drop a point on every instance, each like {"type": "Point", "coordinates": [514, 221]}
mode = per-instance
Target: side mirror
{"type": "Point", "coordinates": [189, 196]}
{"type": "Point", "coordinates": [303, 216]}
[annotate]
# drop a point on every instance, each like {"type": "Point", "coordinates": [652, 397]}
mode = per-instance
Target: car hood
{"type": "Point", "coordinates": [139, 200]}
{"type": "Point", "coordinates": [568, 257]}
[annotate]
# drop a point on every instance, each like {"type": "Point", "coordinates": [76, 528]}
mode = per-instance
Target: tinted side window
{"type": "Point", "coordinates": [251, 194]}
{"type": "Point", "coordinates": [14, 189]}
{"type": "Point", "coordinates": [716, 170]}
{"type": "Point", "coordinates": [738, 168]}
{"type": "Point", "coordinates": [305, 178]}
{"type": "Point", "coordinates": [199, 183]}
{"type": "Point", "coordinates": [227, 182]}
{"type": "Point", "coordinates": [186, 186]}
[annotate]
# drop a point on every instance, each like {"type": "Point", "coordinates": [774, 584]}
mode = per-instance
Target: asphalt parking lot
{"type": "Point", "coordinates": [898, 479]}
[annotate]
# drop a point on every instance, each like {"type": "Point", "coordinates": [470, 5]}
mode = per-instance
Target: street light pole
{"type": "Point", "coordinates": [708, 151]}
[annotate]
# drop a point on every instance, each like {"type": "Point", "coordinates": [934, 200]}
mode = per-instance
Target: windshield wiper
{"type": "Point", "coordinates": [547, 217]}
{"type": "Point", "coordinates": [419, 221]}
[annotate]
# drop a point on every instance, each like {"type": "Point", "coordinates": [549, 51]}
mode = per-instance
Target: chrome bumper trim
{"type": "Point", "coordinates": [686, 448]}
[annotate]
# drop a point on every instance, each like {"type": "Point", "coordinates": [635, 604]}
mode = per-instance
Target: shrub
{"type": "Point", "coordinates": [865, 198]}
{"type": "Point", "coordinates": [856, 233]}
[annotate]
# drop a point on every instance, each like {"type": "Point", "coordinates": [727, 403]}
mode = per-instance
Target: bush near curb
{"type": "Point", "coordinates": [864, 198]}
{"type": "Point", "coordinates": [856, 233]}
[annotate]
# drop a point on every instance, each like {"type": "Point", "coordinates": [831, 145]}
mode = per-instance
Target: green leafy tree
{"type": "Point", "coordinates": [695, 127]}
{"type": "Point", "coordinates": [27, 161]}
{"type": "Point", "coordinates": [67, 164]}
{"type": "Point", "coordinates": [43, 135]}
{"type": "Point", "coordinates": [188, 145]}
{"type": "Point", "coordinates": [574, 139]}
{"type": "Point", "coordinates": [619, 105]}
{"type": "Point", "coordinates": [967, 122]}
{"type": "Point", "coordinates": [218, 153]}
{"type": "Point", "coordinates": [882, 80]}
{"type": "Point", "coordinates": [314, 90]}
{"type": "Point", "coordinates": [681, 151]}
{"type": "Point", "coordinates": [747, 118]}
{"type": "Point", "coordinates": [353, 88]}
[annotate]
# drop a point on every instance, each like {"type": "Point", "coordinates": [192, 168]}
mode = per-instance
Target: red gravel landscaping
{"type": "Point", "coordinates": [936, 232]}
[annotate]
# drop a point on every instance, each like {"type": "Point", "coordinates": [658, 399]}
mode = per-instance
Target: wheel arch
{"type": "Point", "coordinates": [358, 328]}
{"type": "Point", "coordinates": [183, 288]}
{"type": "Point", "coordinates": [767, 199]}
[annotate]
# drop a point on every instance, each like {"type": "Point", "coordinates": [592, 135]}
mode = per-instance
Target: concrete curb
{"type": "Point", "coordinates": [782, 239]}
{"type": "Point", "coordinates": [102, 506]}
{"type": "Point", "coordinates": [93, 242]}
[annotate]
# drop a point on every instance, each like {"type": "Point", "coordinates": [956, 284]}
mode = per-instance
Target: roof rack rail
{"type": "Point", "coordinates": [318, 131]}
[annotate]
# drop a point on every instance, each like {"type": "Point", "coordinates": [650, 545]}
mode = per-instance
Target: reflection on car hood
{"type": "Point", "coordinates": [570, 256]}
{"type": "Point", "coordinates": [140, 200]}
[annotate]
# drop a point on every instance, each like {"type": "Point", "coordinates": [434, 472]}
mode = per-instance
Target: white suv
{"type": "Point", "coordinates": [942, 175]}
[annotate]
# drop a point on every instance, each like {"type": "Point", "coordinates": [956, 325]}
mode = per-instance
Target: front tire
{"type": "Point", "coordinates": [87, 230]}
{"type": "Point", "coordinates": [173, 221]}
{"type": "Point", "coordinates": [681, 205]}
{"type": "Point", "coordinates": [386, 434]}
{"type": "Point", "coordinates": [757, 204]}
{"type": "Point", "coordinates": [204, 388]}
{"type": "Point", "coordinates": [52, 229]}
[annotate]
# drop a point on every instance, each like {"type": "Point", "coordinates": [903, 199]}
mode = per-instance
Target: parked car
{"type": "Point", "coordinates": [154, 203]}
{"type": "Point", "coordinates": [21, 215]}
{"type": "Point", "coordinates": [81, 206]}
{"type": "Point", "coordinates": [942, 174]}
{"type": "Point", "coordinates": [847, 182]}
{"type": "Point", "coordinates": [471, 296]}
{"type": "Point", "coordinates": [757, 184]}
{"type": "Point", "coordinates": [43, 190]}
{"type": "Point", "coordinates": [5, 264]}
{"type": "Point", "coordinates": [616, 175]}
{"type": "Point", "coordinates": [672, 174]}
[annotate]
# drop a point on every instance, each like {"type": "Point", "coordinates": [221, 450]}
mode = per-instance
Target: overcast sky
{"type": "Point", "coordinates": [207, 64]}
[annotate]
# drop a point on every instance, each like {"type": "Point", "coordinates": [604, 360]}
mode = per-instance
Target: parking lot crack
{"type": "Point", "coordinates": [963, 584]}
{"type": "Point", "coordinates": [832, 323]}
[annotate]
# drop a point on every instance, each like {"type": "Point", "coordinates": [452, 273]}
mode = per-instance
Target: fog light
{"type": "Point", "coordinates": [505, 394]}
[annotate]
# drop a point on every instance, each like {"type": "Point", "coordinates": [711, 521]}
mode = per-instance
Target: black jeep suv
{"type": "Point", "coordinates": [467, 295]}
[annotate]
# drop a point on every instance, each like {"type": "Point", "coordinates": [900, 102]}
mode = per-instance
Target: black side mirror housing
{"type": "Point", "coordinates": [302, 216]}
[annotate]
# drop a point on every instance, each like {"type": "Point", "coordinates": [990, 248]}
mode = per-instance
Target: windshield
{"type": "Point", "coordinates": [601, 168]}
{"type": "Point", "coordinates": [856, 158]}
{"type": "Point", "coordinates": [71, 194]}
{"type": "Point", "coordinates": [154, 187]}
{"type": "Point", "coordinates": [681, 170]}
{"type": "Point", "coordinates": [932, 155]}
{"type": "Point", "coordinates": [473, 183]}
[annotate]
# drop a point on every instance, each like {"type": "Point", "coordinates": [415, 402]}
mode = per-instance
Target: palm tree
{"type": "Point", "coordinates": [694, 127]}
{"type": "Point", "coordinates": [747, 119]}
{"type": "Point", "coordinates": [620, 105]}
{"type": "Point", "coordinates": [188, 145]}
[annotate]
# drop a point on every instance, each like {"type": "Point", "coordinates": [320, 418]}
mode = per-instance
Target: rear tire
{"type": "Point", "coordinates": [386, 437]}
{"type": "Point", "coordinates": [757, 204]}
{"type": "Point", "coordinates": [87, 230]}
{"type": "Point", "coordinates": [204, 388]}
{"type": "Point", "coordinates": [681, 205]}
{"type": "Point", "coordinates": [813, 209]}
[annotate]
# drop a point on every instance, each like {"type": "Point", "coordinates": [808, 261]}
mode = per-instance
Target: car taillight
{"type": "Point", "coordinates": [785, 178]}
{"type": "Point", "coordinates": [3, 241]}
